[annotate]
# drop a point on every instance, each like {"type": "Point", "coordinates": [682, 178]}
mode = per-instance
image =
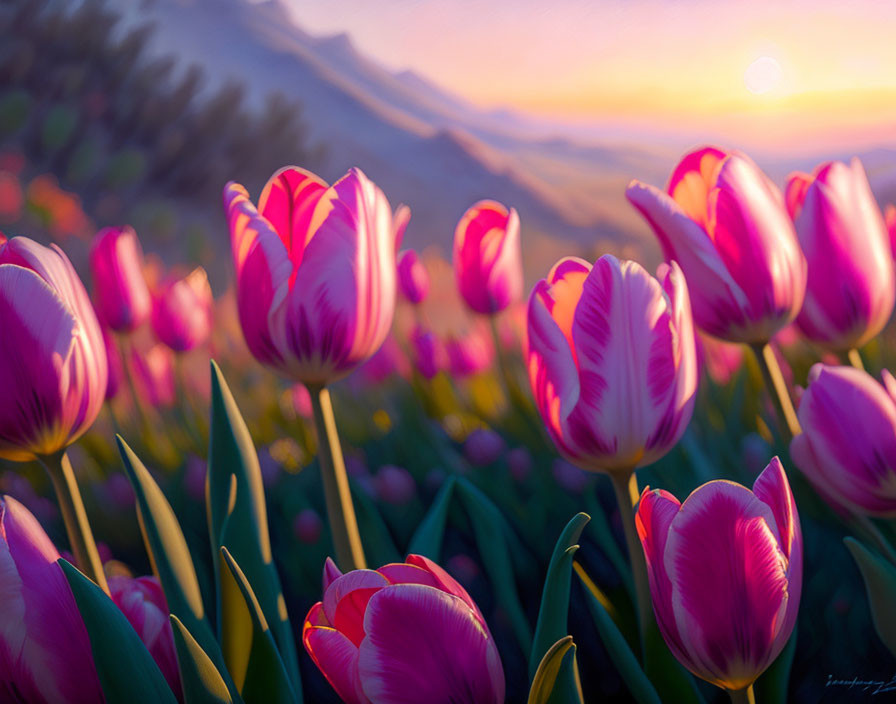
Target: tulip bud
{"type": "Point", "coordinates": [848, 445]}
{"type": "Point", "coordinates": [182, 311]}
{"type": "Point", "coordinates": [851, 287]}
{"type": "Point", "coordinates": [115, 366]}
{"type": "Point", "coordinates": [725, 224]}
{"type": "Point", "coordinates": [484, 446]}
{"type": "Point", "coordinates": [45, 654]}
{"type": "Point", "coordinates": [890, 219]}
{"type": "Point", "coordinates": [120, 292]}
{"type": "Point", "coordinates": [394, 485]}
{"type": "Point", "coordinates": [487, 257]}
{"type": "Point", "coordinates": [315, 272]}
{"type": "Point", "coordinates": [54, 369]}
{"type": "Point", "coordinates": [725, 570]}
{"type": "Point", "coordinates": [427, 352]}
{"type": "Point", "coordinates": [470, 353]}
{"type": "Point", "coordinates": [143, 603]}
{"type": "Point", "coordinates": [406, 627]}
{"type": "Point", "coordinates": [153, 372]}
{"type": "Point", "coordinates": [413, 281]}
{"type": "Point", "coordinates": [307, 526]}
{"type": "Point", "coordinates": [612, 361]}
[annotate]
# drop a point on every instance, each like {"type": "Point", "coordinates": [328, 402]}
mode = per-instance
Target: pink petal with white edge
{"type": "Point", "coordinates": [424, 645]}
{"type": "Point", "coordinates": [444, 581]}
{"type": "Point", "coordinates": [287, 203]}
{"type": "Point", "coordinates": [402, 573]}
{"type": "Point", "coordinates": [335, 656]}
{"type": "Point", "coordinates": [729, 583]}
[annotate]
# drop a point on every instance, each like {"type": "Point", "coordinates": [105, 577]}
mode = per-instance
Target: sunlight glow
{"type": "Point", "coordinates": [763, 75]}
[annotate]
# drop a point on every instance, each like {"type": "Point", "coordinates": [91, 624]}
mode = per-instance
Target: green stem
{"type": "Point", "coordinates": [123, 350]}
{"type": "Point", "coordinates": [75, 517]}
{"type": "Point", "coordinates": [626, 487]}
{"type": "Point", "coordinates": [774, 382]}
{"type": "Point", "coordinates": [855, 359]}
{"type": "Point", "coordinates": [502, 363]}
{"type": "Point", "coordinates": [340, 509]}
{"type": "Point", "coordinates": [742, 696]}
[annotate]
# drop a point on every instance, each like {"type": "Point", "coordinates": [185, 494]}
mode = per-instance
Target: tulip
{"type": "Point", "coordinates": [143, 603]}
{"type": "Point", "coordinates": [487, 257]}
{"type": "Point", "coordinates": [120, 292]}
{"type": "Point", "coordinates": [307, 526]}
{"type": "Point", "coordinates": [182, 311]}
{"type": "Point", "coordinates": [721, 359]}
{"type": "Point", "coordinates": [725, 572]}
{"type": "Point", "coordinates": [612, 361]}
{"type": "Point", "coordinates": [470, 353]}
{"type": "Point", "coordinates": [851, 288]}
{"type": "Point", "coordinates": [725, 224]}
{"type": "Point", "coordinates": [405, 632]}
{"type": "Point", "coordinates": [890, 218]}
{"type": "Point", "coordinates": [315, 272]}
{"type": "Point", "coordinates": [315, 280]}
{"type": "Point", "coordinates": [114, 363]}
{"type": "Point", "coordinates": [394, 485]}
{"type": "Point", "coordinates": [848, 445]}
{"type": "Point", "coordinates": [413, 281]}
{"type": "Point", "coordinates": [153, 374]}
{"type": "Point", "coordinates": [484, 446]}
{"type": "Point", "coordinates": [45, 654]}
{"type": "Point", "coordinates": [427, 352]}
{"type": "Point", "coordinates": [54, 369]}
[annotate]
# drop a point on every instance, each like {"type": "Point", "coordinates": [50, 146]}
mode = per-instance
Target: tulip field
{"type": "Point", "coordinates": [349, 470]}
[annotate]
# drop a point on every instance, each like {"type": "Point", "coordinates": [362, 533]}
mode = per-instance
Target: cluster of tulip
{"type": "Point", "coordinates": [612, 355]}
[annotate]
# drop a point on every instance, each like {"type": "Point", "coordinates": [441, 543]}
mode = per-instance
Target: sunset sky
{"type": "Point", "coordinates": [826, 68]}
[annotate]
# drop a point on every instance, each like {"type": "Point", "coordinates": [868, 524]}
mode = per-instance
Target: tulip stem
{"type": "Point", "coordinates": [626, 488]}
{"type": "Point", "coordinates": [774, 382]}
{"type": "Point", "coordinates": [742, 696]}
{"type": "Point", "coordinates": [502, 363]}
{"type": "Point", "coordinates": [80, 537]}
{"type": "Point", "coordinates": [864, 524]}
{"type": "Point", "coordinates": [855, 359]}
{"type": "Point", "coordinates": [124, 352]}
{"type": "Point", "coordinates": [340, 509]}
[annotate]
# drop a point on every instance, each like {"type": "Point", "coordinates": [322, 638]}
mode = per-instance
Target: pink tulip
{"type": "Point", "coordinates": [153, 373]}
{"type": "Point", "coordinates": [407, 632]}
{"type": "Point", "coordinates": [487, 257]}
{"type": "Point", "coordinates": [45, 655]}
{"type": "Point", "coordinates": [143, 603]}
{"type": "Point", "coordinates": [848, 444]}
{"type": "Point", "coordinates": [307, 526]}
{"type": "Point", "coordinates": [721, 359]}
{"type": "Point", "coordinates": [115, 366]}
{"type": "Point", "coordinates": [890, 218]}
{"type": "Point", "coordinates": [427, 352]}
{"type": "Point", "coordinates": [315, 271]}
{"type": "Point", "coordinates": [612, 361]}
{"type": "Point", "coordinates": [725, 224]}
{"type": "Point", "coordinates": [851, 287]}
{"type": "Point", "coordinates": [725, 570]}
{"type": "Point", "coordinates": [469, 354]}
{"type": "Point", "coordinates": [182, 311]}
{"type": "Point", "coordinates": [54, 369]}
{"type": "Point", "coordinates": [120, 292]}
{"type": "Point", "coordinates": [394, 485]}
{"type": "Point", "coordinates": [413, 280]}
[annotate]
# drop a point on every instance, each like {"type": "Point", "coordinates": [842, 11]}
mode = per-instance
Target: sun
{"type": "Point", "coordinates": [763, 75]}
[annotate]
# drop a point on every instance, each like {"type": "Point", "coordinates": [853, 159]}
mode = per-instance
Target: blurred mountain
{"type": "Point", "coordinates": [421, 144]}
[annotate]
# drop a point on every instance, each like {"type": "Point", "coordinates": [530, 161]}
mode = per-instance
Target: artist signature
{"type": "Point", "coordinates": [870, 686]}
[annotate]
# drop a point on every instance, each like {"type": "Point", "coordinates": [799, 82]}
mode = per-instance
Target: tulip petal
{"type": "Point", "coordinates": [346, 599]}
{"type": "Point", "coordinates": [44, 648]}
{"type": "Point", "coordinates": [400, 221]}
{"type": "Point", "coordinates": [331, 573]}
{"type": "Point", "coordinates": [795, 192]}
{"type": "Point", "coordinates": [335, 656]}
{"type": "Point", "coordinates": [287, 203]}
{"type": "Point", "coordinates": [692, 180]}
{"type": "Point", "coordinates": [444, 581]}
{"type": "Point", "coordinates": [402, 573]}
{"type": "Point", "coordinates": [452, 659]}
{"type": "Point", "coordinates": [729, 583]}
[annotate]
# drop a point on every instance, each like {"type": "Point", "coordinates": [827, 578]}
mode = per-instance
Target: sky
{"type": "Point", "coordinates": [772, 70]}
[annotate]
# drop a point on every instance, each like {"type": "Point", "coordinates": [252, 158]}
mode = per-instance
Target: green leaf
{"type": "Point", "coordinates": [617, 646]}
{"type": "Point", "coordinates": [771, 687]}
{"type": "Point", "coordinates": [235, 495]}
{"type": "Point", "coordinates": [127, 672]}
{"type": "Point", "coordinates": [491, 529]}
{"type": "Point", "coordinates": [556, 679]}
{"type": "Point", "coordinates": [201, 681]}
{"type": "Point", "coordinates": [880, 585]}
{"type": "Point", "coordinates": [427, 540]}
{"type": "Point", "coordinates": [552, 616]}
{"type": "Point", "coordinates": [264, 679]}
{"type": "Point", "coordinates": [170, 556]}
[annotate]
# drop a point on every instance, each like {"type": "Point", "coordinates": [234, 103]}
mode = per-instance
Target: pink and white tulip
{"type": "Point", "coordinates": [726, 225]}
{"type": "Point", "coordinates": [725, 570]}
{"type": "Point", "coordinates": [53, 368]}
{"type": "Point", "coordinates": [612, 361]}
{"type": "Point", "coordinates": [851, 285]}
{"type": "Point", "coordinates": [45, 655]}
{"type": "Point", "coordinates": [315, 271]}
{"type": "Point", "coordinates": [848, 445]}
{"type": "Point", "coordinates": [407, 632]}
{"type": "Point", "coordinates": [413, 279]}
{"type": "Point", "coordinates": [120, 292]}
{"type": "Point", "coordinates": [182, 311]}
{"type": "Point", "coordinates": [143, 603]}
{"type": "Point", "coordinates": [890, 219]}
{"type": "Point", "coordinates": [487, 257]}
